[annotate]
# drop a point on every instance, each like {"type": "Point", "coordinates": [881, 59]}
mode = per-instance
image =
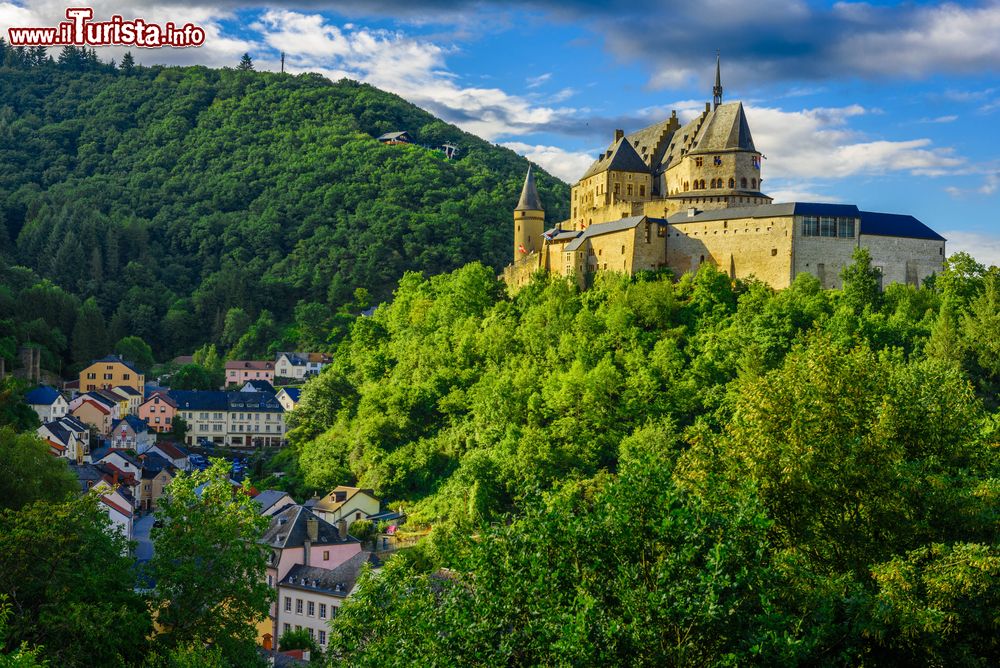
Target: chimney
{"type": "Point", "coordinates": [692, 212]}
{"type": "Point", "coordinates": [342, 529]}
{"type": "Point", "coordinates": [708, 106]}
{"type": "Point", "coordinates": [619, 134]}
{"type": "Point", "coordinates": [312, 529]}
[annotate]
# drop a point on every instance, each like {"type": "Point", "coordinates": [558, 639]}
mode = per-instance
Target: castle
{"type": "Point", "coordinates": [676, 196]}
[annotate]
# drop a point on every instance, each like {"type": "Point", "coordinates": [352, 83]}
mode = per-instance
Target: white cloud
{"type": "Point", "coordinates": [567, 165]}
{"type": "Point", "coordinates": [805, 192]}
{"type": "Point", "coordinates": [950, 118]}
{"type": "Point", "coordinates": [985, 248]}
{"type": "Point", "coordinates": [535, 82]}
{"type": "Point", "coordinates": [414, 69]}
{"type": "Point", "coordinates": [817, 143]}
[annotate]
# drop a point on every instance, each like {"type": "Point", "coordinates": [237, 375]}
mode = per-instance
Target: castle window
{"type": "Point", "coordinates": [703, 184]}
{"type": "Point", "coordinates": [827, 226]}
{"type": "Point", "coordinates": [845, 228]}
{"type": "Point", "coordinates": [732, 183]}
{"type": "Point", "coordinates": [753, 183]}
{"type": "Point", "coordinates": [774, 252]}
{"type": "Point", "coordinates": [628, 189]}
{"type": "Point", "coordinates": [743, 182]}
{"type": "Point", "coordinates": [685, 185]}
{"type": "Point", "coordinates": [623, 250]}
{"type": "Point", "coordinates": [698, 162]}
{"type": "Point", "coordinates": [642, 191]}
{"type": "Point", "coordinates": [617, 188]}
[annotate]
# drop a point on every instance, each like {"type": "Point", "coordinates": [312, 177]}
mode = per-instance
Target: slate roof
{"type": "Point", "coordinates": [118, 359]}
{"type": "Point", "coordinates": [44, 395]}
{"type": "Point", "coordinates": [337, 581]}
{"type": "Point", "coordinates": [293, 393]}
{"type": "Point", "coordinates": [103, 407]}
{"type": "Point", "coordinates": [606, 228]}
{"type": "Point", "coordinates": [200, 400]}
{"type": "Point", "coordinates": [529, 201]}
{"type": "Point", "coordinates": [261, 386]}
{"type": "Point", "coordinates": [253, 365]}
{"type": "Point", "coordinates": [288, 529]}
{"type": "Point", "coordinates": [266, 499]}
{"type": "Point", "coordinates": [896, 225]}
{"type": "Point", "coordinates": [138, 426]}
{"type": "Point", "coordinates": [725, 129]}
{"type": "Point", "coordinates": [60, 433]}
{"type": "Point", "coordinates": [164, 397]}
{"type": "Point", "coordinates": [651, 142]}
{"type": "Point", "coordinates": [72, 423]}
{"type": "Point", "coordinates": [153, 463]}
{"type": "Point", "coordinates": [86, 473]}
{"type": "Point", "coordinates": [253, 401]}
{"type": "Point", "coordinates": [621, 157]}
{"type": "Point", "coordinates": [127, 389]}
{"type": "Point", "coordinates": [329, 502]}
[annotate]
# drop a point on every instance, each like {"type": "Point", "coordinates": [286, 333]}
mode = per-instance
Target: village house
{"type": "Point", "coordinates": [131, 433]}
{"type": "Point", "coordinates": [310, 596]}
{"type": "Point", "coordinates": [48, 402]}
{"type": "Point", "coordinates": [398, 137]}
{"type": "Point", "coordinates": [258, 386]}
{"type": "Point", "coordinates": [173, 453]}
{"type": "Point", "coordinates": [347, 503]}
{"type": "Point", "coordinates": [67, 437]}
{"type": "Point", "coordinates": [158, 411]}
{"type": "Point", "coordinates": [111, 371]}
{"type": "Point", "coordinates": [130, 395]}
{"type": "Point", "coordinates": [288, 397]}
{"type": "Point", "coordinates": [272, 501]}
{"type": "Point", "coordinates": [157, 473]}
{"type": "Point", "coordinates": [95, 413]}
{"type": "Point", "coordinates": [241, 419]}
{"type": "Point", "coordinates": [298, 537]}
{"type": "Point", "coordinates": [240, 371]}
{"type": "Point", "coordinates": [299, 366]}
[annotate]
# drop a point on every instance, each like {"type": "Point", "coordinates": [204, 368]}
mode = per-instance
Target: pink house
{"type": "Point", "coordinates": [158, 411]}
{"type": "Point", "coordinates": [240, 371]}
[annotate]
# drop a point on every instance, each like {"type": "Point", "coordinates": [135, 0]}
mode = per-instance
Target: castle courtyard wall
{"type": "Point", "coordinates": [903, 259]}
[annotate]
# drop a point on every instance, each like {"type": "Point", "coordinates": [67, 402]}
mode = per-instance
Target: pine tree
{"type": "Point", "coordinates": [246, 63]}
{"type": "Point", "coordinates": [128, 62]}
{"type": "Point", "coordinates": [90, 334]}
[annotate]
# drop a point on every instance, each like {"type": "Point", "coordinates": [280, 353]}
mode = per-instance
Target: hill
{"type": "Point", "coordinates": [174, 195]}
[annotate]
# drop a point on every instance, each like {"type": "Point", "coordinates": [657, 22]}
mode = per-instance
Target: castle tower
{"type": "Point", "coordinates": [529, 220]}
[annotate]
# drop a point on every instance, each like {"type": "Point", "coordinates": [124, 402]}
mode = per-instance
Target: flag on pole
{"type": "Point", "coordinates": [521, 248]}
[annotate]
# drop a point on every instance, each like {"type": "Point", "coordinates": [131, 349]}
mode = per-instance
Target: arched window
{"type": "Point", "coordinates": [753, 183]}
{"type": "Point", "coordinates": [732, 183]}
{"type": "Point", "coordinates": [703, 184]}
{"type": "Point", "coordinates": [743, 182]}
{"type": "Point", "coordinates": [686, 185]}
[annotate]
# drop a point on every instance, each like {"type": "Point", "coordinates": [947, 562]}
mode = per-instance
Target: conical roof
{"type": "Point", "coordinates": [530, 201]}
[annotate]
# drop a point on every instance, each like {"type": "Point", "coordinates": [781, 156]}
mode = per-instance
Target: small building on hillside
{"type": "Point", "coordinates": [48, 402]}
{"type": "Point", "coordinates": [239, 372]}
{"type": "Point", "coordinates": [288, 397]}
{"type": "Point", "coordinates": [158, 411]}
{"type": "Point", "coordinates": [272, 501]}
{"type": "Point", "coordinates": [131, 433]}
{"type": "Point", "coordinates": [347, 503]}
{"type": "Point", "coordinates": [299, 366]}
{"type": "Point", "coordinates": [94, 413]}
{"type": "Point", "coordinates": [111, 371]}
{"type": "Point", "coordinates": [399, 137]}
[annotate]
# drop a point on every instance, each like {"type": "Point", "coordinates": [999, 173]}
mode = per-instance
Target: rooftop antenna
{"type": "Point", "coordinates": [717, 89]}
{"type": "Point", "coordinates": [282, 62]}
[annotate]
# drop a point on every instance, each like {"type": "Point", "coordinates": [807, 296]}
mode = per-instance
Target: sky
{"type": "Point", "coordinates": [892, 106]}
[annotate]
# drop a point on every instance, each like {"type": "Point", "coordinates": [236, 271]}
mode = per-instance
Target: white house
{"type": "Point", "coordinates": [131, 433]}
{"type": "Point", "coordinates": [288, 397]}
{"type": "Point", "coordinates": [48, 402]}
{"type": "Point", "coordinates": [300, 365]}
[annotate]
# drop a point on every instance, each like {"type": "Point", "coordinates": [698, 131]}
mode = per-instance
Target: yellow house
{"type": "Point", "coordinates": [111, 371]}
{"type": "Point", "coordinates": [347, 503]}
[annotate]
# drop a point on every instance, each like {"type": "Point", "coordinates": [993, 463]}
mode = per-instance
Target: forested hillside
{"type": "Point", "coordinates": [175, 195]}
{"type": "Point", "coordinates": [704, 472]}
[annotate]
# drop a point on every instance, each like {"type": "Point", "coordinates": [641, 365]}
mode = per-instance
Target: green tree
{"type": "Point", "coordinates": [67, 574]}
{"type": "Point", "coordinates": [90, 334]}
{"type": "Point", "coordinates": [128, 63]}
{"type": "Point", "coordinates": [194, 377]}
{"type": "Point", "coordinates": [363, 530]}
{"type": "Point", "coordinates": [14, 410]}
{"type": "Point", "coordinates": [22, 656]}
{"type": "Point", "coordinates": [236, 325]}
{"type": "Point", "coordinates": [208, 567]}
{"type": "Point", "coordinates": [246, 63]}
{"type": "Point", "coordinates": [179, 429]}
{"type": "Point", "coordinates": [862, 283]}
{"type": "Point", "coordinates": [30, 473]}
{"type": "Point", "coordinates": [134, 349]}
{"type": "Point", "coordinates": [297, 640]}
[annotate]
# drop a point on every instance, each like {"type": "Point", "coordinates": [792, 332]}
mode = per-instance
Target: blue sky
{"type": "Point", "coordinates": [888, 105]}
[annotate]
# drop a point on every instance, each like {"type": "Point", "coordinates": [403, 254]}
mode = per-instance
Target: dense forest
{"type": "Point", "coordinates": [159, 201]}
{"type": "Point", "coordinates": [653, 472]}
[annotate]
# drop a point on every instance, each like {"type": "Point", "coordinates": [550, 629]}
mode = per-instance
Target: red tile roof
{"type": "Point", "coordinates": [108, 502]}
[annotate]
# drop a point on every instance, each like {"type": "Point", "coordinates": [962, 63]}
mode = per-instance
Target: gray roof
{"type": "Point", "coordinates": [268, 498]}
{"type": "Point", "coordinates": [85, 473]}
{"type": "Point", "coordinates": [530, 201]}
{"type": "Point", "coordinates": [288, 529]}
{"type": "Point", "coordinates": [651, 142]}
{"type": "Point", "coordinates": [606, 228]}
{"type": "Point", "coordinates": [725, 129]}
{"type": "Point", "coordinates": [337, 581]}
{"type": "Point", "coordinates": [621, 157]}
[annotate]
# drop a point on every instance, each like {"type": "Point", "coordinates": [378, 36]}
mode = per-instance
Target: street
{"type": "Point", "coordinates": [140, 533]}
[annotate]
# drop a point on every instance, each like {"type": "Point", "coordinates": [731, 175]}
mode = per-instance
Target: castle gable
{"type": "Point", "coordinates": [651, 142]}
{"type": "Point", "coordinates": [725, 129]}
{"type": "Point", "coordinates": [621, 157]}
{"type": "Point", "coordinates": [680, 143]}
{"type": "Point", "coordinates": [609, 228]}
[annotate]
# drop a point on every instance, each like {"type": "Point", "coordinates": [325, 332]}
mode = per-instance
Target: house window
{"type": "Point", "coordinates": [732, 183]}
{"type": "Point", "coordinates": [311, 609]}
{"type": "Point", "coordinates": [642, 191]}
{"type": "Point", "coordinates": [617, 188]}
{"type": "Point", "coordinates": [288, 603]}
{"type": "Point", "coordinates": [288, 627]}
{"type": "Point", "coordinates": [628, 189]}
{"type": "Point", "coordinates": [326, 555]}
{"type": "Point", "coordinates": [298, 606]}
{"type": "Point", "coordinates": [322, 637]}
{"type": "Point", "coordinates": [127, 376]}
{"type": "Point", "coordinates": [309, 629]}
{"type": "Point", "coordinates": [270, 581]}
{"type": "Point", "coordinates": [322, 610]}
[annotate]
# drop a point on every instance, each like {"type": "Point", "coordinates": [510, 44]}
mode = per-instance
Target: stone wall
{"type": "Point", "coordinates": [904, 260]}
{"type": "Point", "coordinates": [744, 247]}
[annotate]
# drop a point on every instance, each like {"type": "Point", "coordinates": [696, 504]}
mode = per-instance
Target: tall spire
{"type": "Point", "coordinates": [717, 89]}
{"type": "Point", "coordinates": [530, 201]}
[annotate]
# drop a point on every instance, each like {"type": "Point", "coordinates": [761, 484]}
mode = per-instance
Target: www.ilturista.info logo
{"type": "Point", "coordinates": [79, 30]}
